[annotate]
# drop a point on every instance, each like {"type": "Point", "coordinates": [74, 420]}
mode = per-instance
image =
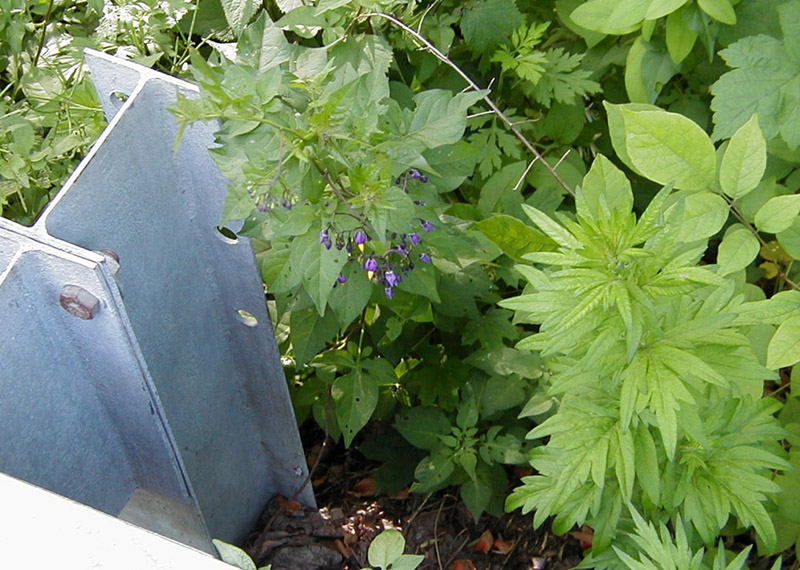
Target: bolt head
{"type": "Point", "coordinates": [78, 302]}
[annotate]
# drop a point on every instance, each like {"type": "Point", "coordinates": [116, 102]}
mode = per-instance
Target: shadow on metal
{"type": "Point", "coordinates": [130, 380]}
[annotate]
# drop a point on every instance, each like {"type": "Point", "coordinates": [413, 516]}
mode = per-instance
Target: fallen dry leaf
{"type": "Point", "coordinates": [462, 564]}
{"type": "Point", "coordinates": [484, 543]}
{"type": "Point", "coordinates": [501, 547]}
{"type": "Point", "coordinates": [367, 487]}
{"type": "Point", "coordinates": [585, 535]}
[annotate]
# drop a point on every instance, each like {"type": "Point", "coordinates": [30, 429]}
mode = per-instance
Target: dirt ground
{"type": "Point", "coordinates": [438, 526]}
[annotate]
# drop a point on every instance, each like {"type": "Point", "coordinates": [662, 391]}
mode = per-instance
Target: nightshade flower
{"type": "Point", "coordinates": [414, 174]}
{"type": "Point", "coordinates": [391, 278]}
{"type": "Point", "coordinates": [427, 226]}
{"type": "Point", "coordinates": [423, 179]}
{"type": "Point", "coordinates": [371, 264]}
{"type": "Point", "coordinates": [323, 236]}
{"type": "Point", "coordinates": [414, 238]}
{"type": "Point", "coordinates": [424, 258]}
{"type": "Point", "coordinates": [342, 279]}
{"type": "Point", "coordinates": [389, 292]}
{"type": "Point", "coordinates": [360, 237]}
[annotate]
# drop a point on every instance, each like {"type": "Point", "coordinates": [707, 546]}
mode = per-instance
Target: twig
{"type": "Point", "coordinates": [524, 174]}
{"type": "Point", "coordinates": [258, 545]}
{"type": "Point", "coordinates": [44, 32]}
{"type": "Point", "coordinates": [436, 535]}
{"type": "Point", "coordinates": [509, 123]}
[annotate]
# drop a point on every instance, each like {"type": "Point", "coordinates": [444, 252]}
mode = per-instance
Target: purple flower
{"type": "Point", "coordinates": [349, 247]}
{"type": "Point", "coordinates": [424, 258]}
{"type": "Point", "coordinates": [389, 292]}
{"type": "Point", "coordinates": [402, 248]}
{"type": "Point", "coordinates": [414, 173]}
{"type": "Point", "coordinates": [423, 179]}
{"type": "Point", "coordinates": [391, 278]}
{"type": "Point", "coordinates": [328, 243]}
{"type": "Point", "coordinates": [323, 236]}
{"type": "Point", "coordinates": [342, 279]}
{"type": "Point", "coordinates": [371, 264]}
{"type": "Point", "coordinates": [360, 237]}
{"type": "Point", "coordinates": [414, 238]}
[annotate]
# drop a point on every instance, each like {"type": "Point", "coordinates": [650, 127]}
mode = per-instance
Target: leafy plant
{"type": "Point", "coordinates": [235, 556]}
{"type": "Point", "coordinates": [386, 552]}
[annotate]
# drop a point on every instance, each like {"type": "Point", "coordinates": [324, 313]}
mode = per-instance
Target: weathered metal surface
{"type": "Point", "coordinates": [173, 290]}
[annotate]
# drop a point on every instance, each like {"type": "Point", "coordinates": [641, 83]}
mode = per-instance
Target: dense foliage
{"type": "Point", "coordinates": [575, 220]}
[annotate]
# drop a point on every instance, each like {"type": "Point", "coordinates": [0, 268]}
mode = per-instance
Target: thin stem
{"type": "Point", "coordinates": [503, 117]}
{"type": "Point", "coordinates": [44, 32]}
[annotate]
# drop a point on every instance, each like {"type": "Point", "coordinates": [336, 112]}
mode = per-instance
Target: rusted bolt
{"type": "Point", "coordinates": [110, 253]}
{"type": "Point", "coordinates": [78, 302]}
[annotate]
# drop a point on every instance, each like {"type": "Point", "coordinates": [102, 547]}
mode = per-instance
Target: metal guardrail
{"type": "Point", "coordinates": [138, 370]}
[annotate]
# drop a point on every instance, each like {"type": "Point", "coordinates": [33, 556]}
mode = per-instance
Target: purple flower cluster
{"type": "Point", "coordinates": [411, 174]}
{"type": "Point", "coordinates": [387, 269]}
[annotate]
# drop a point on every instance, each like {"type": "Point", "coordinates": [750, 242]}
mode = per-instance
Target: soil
{"type": "Point", "coordinates": [438, 526]}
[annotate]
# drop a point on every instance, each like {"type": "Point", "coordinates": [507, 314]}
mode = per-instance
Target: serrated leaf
{"type": "Point", "coordinates": [778, 214]}
{"type": "Point", "coordinates": [744, 161]}
{"type": "Point", "coordinates": [488, 23]}
{"type": "Point", "coordinates": [668, 147]}
{"type": "Point", "coordinates": [784, 348]}
{"type": "Point", "coordinates": [513, 236]}
{"type": "Point", "coordinates": [737, 250]}
{"type": "Point", "coordinates": [356, 395]}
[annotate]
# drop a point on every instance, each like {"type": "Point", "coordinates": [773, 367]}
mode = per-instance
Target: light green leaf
{"type": "Point", "coordinates": [553, 229]}
{"type": "Point", "coordinates": [784, 348]}
{"type": "Point", "coordinates": [778, 214]}
{"type": "Point", "coordinates": [385, 548]}
{"type": "Point", "coordinates": [234, 555]}
{"type": "Point", "coordinates": [616, 128]}
{"type": "Point", "coordinates": [744, 161]}
{"type": "Point", "coordinates": [263, 44]}
{"type": "Point", "coordinates": [320, 266]}
{"type": "Point", "coordinates": [661, 8]}
{"type": "Point", "coordinates": [349, 300]}
{"type": "Point", "coordinates": [720, 10]}
{"type": "Point", "coordinates": [607, 181]}
{"type": "Point", "coordinates": [356, 395]}
{"type": "Point", "coordinates": [238, 13]}
{"type": "Point", "coordinates": [513, 236]}
{"type": "Point", "coordinates": [647, 69]}
{"type": "Point", "coordinates": [737, 250]}
{"type": "Point", "coordinates": [680, 36]}
{"type": "Point", "coordinates": [440, 118]}
{"type": "Point", "coordinates": [703, 215]}
{"type": "Point", "coordinates": [611, 16]}
{"type": "Point", "coordinates": [668, 147]}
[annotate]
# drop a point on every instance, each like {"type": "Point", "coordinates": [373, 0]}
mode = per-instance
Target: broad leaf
{"type": "Point", "coordinates": [737, 250]}
{"type": "Point", "coordinates": [385, 548]}
{"type": "Point", "coordinates": [784, 348]}
{"type": "Point", "coordinates": [513, 236]}
{"type": "Point", "coordinates": [744, 161]}
{"type": "Point", "coordinates": [356, 395]}
{"type": "Point", "coordinates": [778, 214]}
{"type": "Point", "coordinates": [238, 13]}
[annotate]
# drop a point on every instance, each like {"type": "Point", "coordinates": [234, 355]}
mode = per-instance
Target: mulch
{"type": "Point", "coordinates": [350, 513]}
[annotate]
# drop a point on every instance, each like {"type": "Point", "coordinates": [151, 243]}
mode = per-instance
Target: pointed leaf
{"type": "Point", "coordinates": [744, 161]}
{"type": "Point", "coordinates": [784, 348]}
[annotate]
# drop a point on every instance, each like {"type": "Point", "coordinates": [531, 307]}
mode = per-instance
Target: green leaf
{"type": "Point", "coordinates": [320, 266]}
{"type": "Point", "coordinates": [606, 182]}
{"type": "Point", "coordinates": [238, 13]}
{"type": "Point", "coordinates": [784, 348]}
{"type": "Point", "coordinates": [263, 45]}
{"type": "Point", "coordinates": [385, 548]}
{"type": "Point", "coordinates": [647, 69]}
{"type": "Point", "coordinates": [349, 300]}
{"type": "Point", "coordinates": [720, 10]}
{"type": "Point", "coordinates": [778, 214]}
{"type": "Point", "coordinates": [422, 426]}
{"type": "Point", "coordinates": [702, 215]}
{"type": "Point", "coordinates": [744, 161]}
{"type": "Point", "coordinates": [611, 16]}
{"type": "Point", "coordinates": [309, 332]}
{"type": "Point", "coordinates": [554, 230]}
{"type": "Point", "coordinates": [439, 117]}
{"type": "Point", "coordinates": [765, 80]}
{"type": "Point", "coordinates": [680, 36]}
{"type": "Point", "coordinates": [234, 555]}
{"type": "Point", "coordinates": [356, 395]}
{"type": "Point", "coordinates": [616, 128]}
{"type": "Point", "coordinates": [488, 23]}
{"type": "Point", "coordinates": [737, 250]}
{"type": "Point", "coordinates": [513, 236]}
{"type": "Point", "coordinates": [668, 147]}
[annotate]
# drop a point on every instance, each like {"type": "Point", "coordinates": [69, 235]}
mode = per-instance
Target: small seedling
{"type": "Point", "coordinates": [386, 553]}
